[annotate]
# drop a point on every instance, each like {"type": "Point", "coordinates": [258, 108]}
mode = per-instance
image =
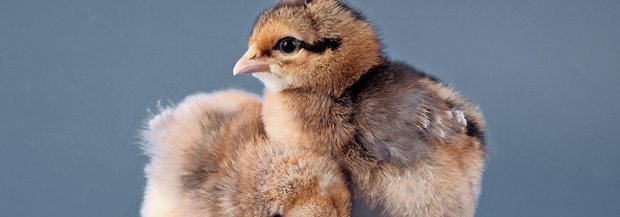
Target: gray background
{"type": "Point", "coordinates": [77, 76]}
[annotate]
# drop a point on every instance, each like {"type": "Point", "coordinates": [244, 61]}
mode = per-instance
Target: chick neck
{"type": "Point", "coordinates": [317, 118]}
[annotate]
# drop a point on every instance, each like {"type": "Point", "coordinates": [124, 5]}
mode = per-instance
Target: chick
{"type": "Point", "coordinates": [210, 157]}
{"type": "Point", "coordinates": [412, 145]}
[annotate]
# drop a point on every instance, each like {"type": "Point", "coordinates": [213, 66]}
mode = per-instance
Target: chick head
{"type": "Point", "coordinates": [319, 45]}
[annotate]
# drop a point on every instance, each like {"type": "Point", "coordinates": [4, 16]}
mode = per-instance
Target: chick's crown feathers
{"type": "Point", "coordinates": [330, 3]}
{"type": "Point", "coordinates": [295, 2]}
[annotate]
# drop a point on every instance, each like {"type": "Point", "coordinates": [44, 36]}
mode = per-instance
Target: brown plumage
{"type": "Point", "coordinates": [210, 157]}
{"type": "Point", "coordinates": [412, 145]}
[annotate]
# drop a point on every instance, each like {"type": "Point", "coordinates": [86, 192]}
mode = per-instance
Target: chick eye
{"type": "Point", "coordinates": [276, 215]}
{"type": "Point", "coordinates": [288, 45]}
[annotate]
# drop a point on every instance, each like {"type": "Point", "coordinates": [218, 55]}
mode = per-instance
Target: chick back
{"type": "Point", "coordinates": [427, 141]}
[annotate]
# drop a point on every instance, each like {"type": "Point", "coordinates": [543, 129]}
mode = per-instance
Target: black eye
{"type": "Point", "coordinates": [276, 215]}
{"type": "Point", "coordinates": [288, 45]}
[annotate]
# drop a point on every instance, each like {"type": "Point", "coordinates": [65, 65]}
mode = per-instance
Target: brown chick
{"type": "Point", "coordinates": [412, 145]}
{"type": "Point", "coordinates": [210, 157]}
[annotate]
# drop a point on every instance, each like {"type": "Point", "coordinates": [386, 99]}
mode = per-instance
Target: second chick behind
{"type": "Point", "coordinates": [210, 157]}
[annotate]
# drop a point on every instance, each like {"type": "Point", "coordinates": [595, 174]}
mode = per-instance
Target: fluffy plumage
{"type": "Point", "coordinates": [210, 157]}
{"type": "Point", "coordinates": [412, 145]}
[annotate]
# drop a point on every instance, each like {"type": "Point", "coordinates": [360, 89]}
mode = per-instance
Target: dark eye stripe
{"type": "Point", "coordinates": [317, 47]}
{"type": "Point", "coordinates": [322, 45]}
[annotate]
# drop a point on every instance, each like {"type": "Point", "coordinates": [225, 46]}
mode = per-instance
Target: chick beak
{"type": "Point", "coordinates": [246, 65]}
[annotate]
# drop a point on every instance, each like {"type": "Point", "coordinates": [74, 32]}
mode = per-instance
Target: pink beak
{"type": "Point", "coordinates": [248, 66]}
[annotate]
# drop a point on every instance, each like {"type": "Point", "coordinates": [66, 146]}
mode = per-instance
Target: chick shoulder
{"type": "Point", "coordinates": [400, 112]}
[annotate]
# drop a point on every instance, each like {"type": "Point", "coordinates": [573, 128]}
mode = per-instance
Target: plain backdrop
{"type": "Point", "coordinates": [77, 78]}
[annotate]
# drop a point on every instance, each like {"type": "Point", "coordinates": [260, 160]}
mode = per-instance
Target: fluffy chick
{"type": "Point", "coordinates": [412, 145]}
{"type": "Point", "coordinates": [209, 157]}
